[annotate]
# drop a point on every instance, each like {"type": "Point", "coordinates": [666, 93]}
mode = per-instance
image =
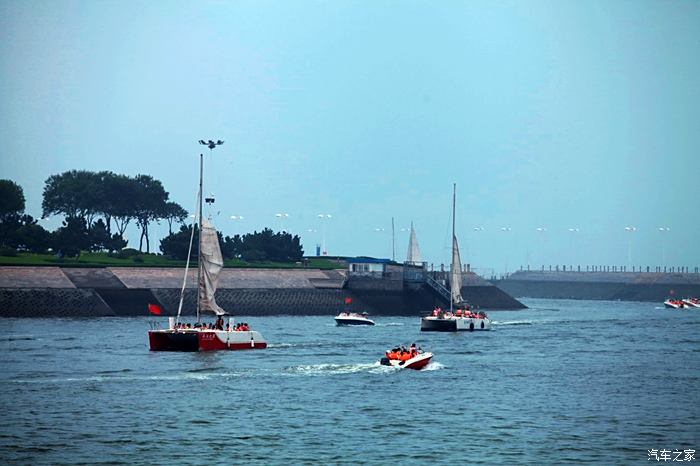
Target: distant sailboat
{"type": "Point", "coordinates": [413, 256]}
{"type": "Point", "coordinates": [463, 318]}
{"type": "Point", "coordinates": [178, 337]}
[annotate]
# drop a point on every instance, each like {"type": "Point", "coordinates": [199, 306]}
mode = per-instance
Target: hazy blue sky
{"type": "Point", "coordinates": [555, 114]}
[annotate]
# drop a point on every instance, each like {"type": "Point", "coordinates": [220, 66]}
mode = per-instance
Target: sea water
{"type": "Point", "coordinates": [562, 382]}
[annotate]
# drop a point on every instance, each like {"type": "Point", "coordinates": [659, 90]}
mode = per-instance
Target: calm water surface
{"type": "Point", "coordinates": [563, 382]}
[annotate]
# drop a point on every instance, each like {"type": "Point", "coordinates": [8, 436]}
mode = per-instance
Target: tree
{"type": "Point", "coordinates": [117, 201]}
{"type": "Point", "coordinates": [11, 198]}
{"type": "Point", "coordinates": [31, 236]}
{"type": "Point", "coordinates": [150, 204]}
{"type": "Point", "coordinates": [98, 236]}
{"type": "Point", "coordinates": [177, 244]}
{"type": "Point", "coordinates": [231, 248]}
{"type": "Point", "coordinates": [11, 209]}
{"type": "Point", "coordinates": [266, 245]}
{"type": "Point", "coordinates": [75, 193]}
{"type": "Point", "coordinates": [173, 212]}
{"type": "Point", "coordinates": [72, 237]}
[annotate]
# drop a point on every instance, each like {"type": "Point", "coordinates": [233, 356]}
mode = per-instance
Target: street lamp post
{"type": "Point", "coordinates": [380, 230]}
{"type": "Point", "coordinates": [664, 231]}
{"type": "Point", "coordinates": [282, 217]}
{"type": "Point", "coordinates": [506, 230]}
{"type": "Point", "coordinates": [573, 232]}
{"type": "Point", "coordinates": [541, 231]}
{"type": "Point", "coordinates": [323, 219]}
{"type": "Point", "coordinates": [630, 230]}
{"type": "Point", "coordinates": [236, 218]}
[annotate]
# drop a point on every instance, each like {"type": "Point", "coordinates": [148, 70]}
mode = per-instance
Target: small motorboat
{"type": "Point", "coordinates": [691, 302]}
{"type": "Point", "coordinates": [417, 362]}
{"type": "Point", "coordinates": [457, 321]}
{"type": "Point", "coordinates": [353, 318]}
{"type": "Point", "coordinates": [675, 303]}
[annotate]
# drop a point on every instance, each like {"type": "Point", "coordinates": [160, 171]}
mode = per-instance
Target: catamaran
{"type": "Point", "coordinates": [179, 337]}
{"type": "Point", "coordinates": [460, 317]}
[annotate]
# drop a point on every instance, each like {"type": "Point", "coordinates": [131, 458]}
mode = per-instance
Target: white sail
{"type": "Point", "coordinates": [211, 263]}
{"type": "Point", "coordinates": [455, 273]}
{"type": "Point", "coordinates": [413, 256]}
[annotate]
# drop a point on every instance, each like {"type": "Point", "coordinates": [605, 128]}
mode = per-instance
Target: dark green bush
{"type": "Point", "coordinates": [8, 252]}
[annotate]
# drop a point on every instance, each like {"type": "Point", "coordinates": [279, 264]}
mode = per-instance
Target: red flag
{"type": "Point", "coordinates": [348, 300]}
{"type": "Point", "coordinates": [154, 309]}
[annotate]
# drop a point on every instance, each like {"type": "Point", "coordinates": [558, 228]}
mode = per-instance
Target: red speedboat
{"type": "Point", "coordinates": [674, 303]}
{"type": "Point", "coordinates": [417, 362]}
{"type": "Point", "coordinates": [691, 302]}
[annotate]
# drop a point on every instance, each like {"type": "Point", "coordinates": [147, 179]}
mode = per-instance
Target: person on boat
{"type": "Point", "coordinates": [219, 323]}
{"type": "Point", "coordinates": [228, 327]}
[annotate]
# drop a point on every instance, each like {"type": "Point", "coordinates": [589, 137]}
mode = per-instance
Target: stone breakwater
{"type": "Point", "coordinates": [613, 286]}
{"type": "Point", "coordinates": [126, 291]}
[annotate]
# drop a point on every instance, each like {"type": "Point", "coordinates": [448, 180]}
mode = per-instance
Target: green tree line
{"type": "Point", "coordinates": [98, 207]}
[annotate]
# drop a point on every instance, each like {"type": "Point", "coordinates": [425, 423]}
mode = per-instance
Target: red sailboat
{"type": "Point", "coordinates": [201, 337]}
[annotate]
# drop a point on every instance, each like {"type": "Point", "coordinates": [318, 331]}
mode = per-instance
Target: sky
{"type": "Point", "coordinates": [577, 118]}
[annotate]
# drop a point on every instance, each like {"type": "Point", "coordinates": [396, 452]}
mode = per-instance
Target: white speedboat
{"type": "Point", "coordinates": [353, 318]}
{"type": "Point", "coordinates": [674, 303]}
{"type": "Point", "coordinates": [417, 362]}
{"type": "Point", "coordinates": [455, 322]}
{"type": "Point", "coordinates": [691, 302]}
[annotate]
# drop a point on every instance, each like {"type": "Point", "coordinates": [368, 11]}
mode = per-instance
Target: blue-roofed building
{"type": "Point", "coordinates": [367, 265]}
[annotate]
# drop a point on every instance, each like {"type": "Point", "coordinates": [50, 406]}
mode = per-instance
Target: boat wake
{"type": "Point", "coordinates": [514, 322]}
{"type": "Point", "coordinates": [301, 345]}
{"type": "Point", "coordinates": [332, 369]}
{"type": "Point", "coordinates": [433, 366]}
{"type": "Point", "coordinates": [391, 324]}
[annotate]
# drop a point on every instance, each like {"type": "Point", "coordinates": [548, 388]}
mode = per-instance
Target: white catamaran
{"type": "Point", "coordinates": [179, 337]}
{"type": "Point", "coordinates": [462, 318]}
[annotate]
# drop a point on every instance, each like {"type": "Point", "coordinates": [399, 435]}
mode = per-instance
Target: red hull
{"type": "Point", "coordinates": [418, 365]}
{"type": "Point", "coordinates": [169, 340]}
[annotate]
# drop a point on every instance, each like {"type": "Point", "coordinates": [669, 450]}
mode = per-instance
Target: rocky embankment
{"type": "Point", "coordinates": [623, 286]}
{"type": "Point", "coordinates": [126, 291]}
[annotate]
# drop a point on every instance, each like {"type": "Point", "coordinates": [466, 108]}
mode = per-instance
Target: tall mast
{"type": "Point", "coordinates": [199, 238]}
{"type": "Point", "coordinates": [454, 201]}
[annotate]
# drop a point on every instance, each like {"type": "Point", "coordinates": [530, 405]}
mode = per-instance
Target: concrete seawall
{"type": "Point", "coordinates": [623, 286]}
{"type": "Point", "coordinates": [126, 291]}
